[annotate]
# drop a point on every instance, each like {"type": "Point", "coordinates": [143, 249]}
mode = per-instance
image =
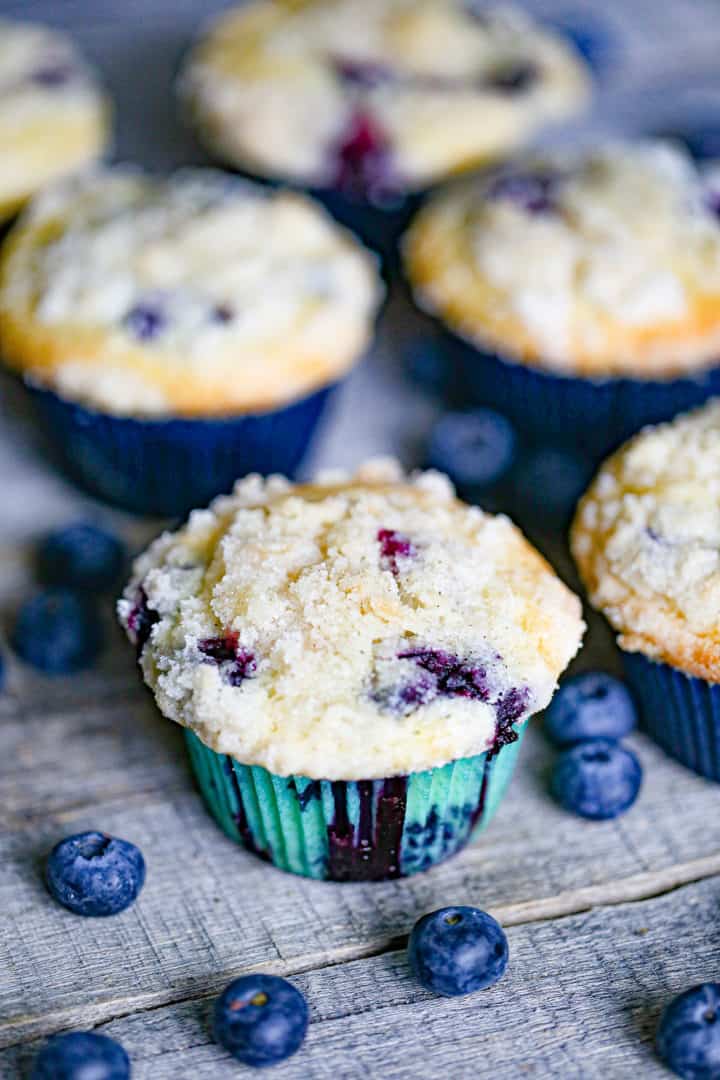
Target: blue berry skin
{"type": "Point", "coordinates": [688, 1035]}
{"type": "Point", "coordinates": [547, 483]}
{"type": "Point", "coordinates": [591, 705]}
{"type": "Point", "coordinates": [457, 950]}
{"type": "Point", "coordinates": [701, 138]}
{"type": "Point", "coordinates": [95, 874]}
{"type": "Point", "coordinates": [475, 449]}
{"type": "Point", "coordinates": [81, 1055]}
{"type": "Point", "coordinates": [597, 779]}
{"type": "Point", "coordinates": [81, 556]}
{"type": "Point", "coordinates": [58, 632]}
{"type": "Point", "coordinates": [427, 365]}
{"type": "Point", "coordinates": [260, 1019]}
{"type": "Point", "coordinates": [592, 37]}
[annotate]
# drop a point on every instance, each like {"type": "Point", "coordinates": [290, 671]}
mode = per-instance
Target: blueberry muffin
{"type": "Point", "coordinates": [646, 539]}
{"type": "Point", "coordinates": [181, 331]}
{"type": "Point", "coordinates": [53, 115]}
{"type": "Point", "coordinates": [353, 661]}
{"type": "Point", "coordinates": [375, 98]}
{"type": "Point", "coordinates": [581, 288]}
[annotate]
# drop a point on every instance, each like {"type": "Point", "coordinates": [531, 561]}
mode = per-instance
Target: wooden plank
{"type": "Point", "coordinates": [208, 906]}
{"type": "Point", "coordinates": [581, 999]}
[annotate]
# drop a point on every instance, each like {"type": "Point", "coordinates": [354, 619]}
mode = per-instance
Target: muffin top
{"type": "Point", "coordinates": [53, 117]}
{"type": "Point", "coordinates": [199, 294]}
{"type": "Point", "coordinates": [598, 262]}
{"type": "Point", "coordinates": [351, 628]}
{"type": "Point", "coordinates": [376, 96]}
{"type": "Point", "coordinates": [647, 541]}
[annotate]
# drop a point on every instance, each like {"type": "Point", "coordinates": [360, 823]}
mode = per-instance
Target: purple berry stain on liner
{"type": "Point", "coordinates": [375, 855]}
{"type": "Point", "coordinates": [141, 620]}
{"type": "Point", "coordinates": [236, 664]}
{"type": "Point", "coordinates": [394, 546]}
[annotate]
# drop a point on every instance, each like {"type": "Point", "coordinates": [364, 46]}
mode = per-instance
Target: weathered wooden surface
{"type": "Point", "coordinates": [589, 970]}
{"type": "Point", "coordinates": [556, 1013]}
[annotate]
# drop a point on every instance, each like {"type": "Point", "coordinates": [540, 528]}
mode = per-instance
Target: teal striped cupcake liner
{"type": "Point", "coordinates": [353, 830]}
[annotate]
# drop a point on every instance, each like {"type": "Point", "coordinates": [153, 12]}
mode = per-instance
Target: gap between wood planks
{"type": "Point", "coordinates": [635, 888]}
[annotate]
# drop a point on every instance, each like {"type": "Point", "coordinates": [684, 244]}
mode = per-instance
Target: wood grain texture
{"type": "Point", "coordinates": [581, 999]}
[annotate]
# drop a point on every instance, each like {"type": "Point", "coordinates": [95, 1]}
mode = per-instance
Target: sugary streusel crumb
{"type": "Point", "coordinates": [350, 628]}
{"type": "Point", "coordinates": [647, 541]}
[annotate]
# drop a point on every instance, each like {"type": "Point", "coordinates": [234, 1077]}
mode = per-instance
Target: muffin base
{"type": "Point", "coordinates": [168, 467]}
{"type": "Point", "coordinates": [343, 830]}
{"type": "Point", "coordinates": [680, 712]}
{"type": "Point", "coordinates": [594, 416]}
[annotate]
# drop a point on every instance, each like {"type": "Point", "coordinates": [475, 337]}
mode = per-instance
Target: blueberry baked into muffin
{"type": "Point", "coordinates": [53, 114]}
{"type": "Point", "coordinates": [354, 660]}
{"type": "Point", "coordinates": [181, 331]}
{"type": "Point", "coordinates": [375, 98]}
{"type": "Point", "coordinates": [646, 540]}
{"type": "Point", "coordinates": [580, 289]}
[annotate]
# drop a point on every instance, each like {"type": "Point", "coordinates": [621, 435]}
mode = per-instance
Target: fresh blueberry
{"type": "Point", "coordinates": [592, 705]}
{"type": "Point", "coordinates": [457, 950]}
{"type": "Point", "coordinates": [474, 448]}
{"type": "Point", "coordinates": [688, 1035]}
{"type": "Point", "coordinates": [514, 78]}
{"type": "Point", "coordinates": [427, 366]}
{"type": "Point", "coordinates": [54, 74]}
{"type": "Point", "coordinates": [533, 192]}
{"type": "Point", "coordinates": [81, 556]}
{"type": "Point", "coordinates": [145, 321]}
{"type": "Point", "coordinates": [81, 1055]}
{"type": "Point", "coordinates": [260, 1019]}
{"type": "Point", "coordinates": [363, 159]}
{"type": "Point", "coordinates": [546, 485]}
{"type": "Point", "coordinates": [598, 779]}
{"type": "Point", "coordinates": [591, 36]}
{"type": "Point", "coordinates": [57, 631]}
{"type": "Point", "coordinates": [95, 874]}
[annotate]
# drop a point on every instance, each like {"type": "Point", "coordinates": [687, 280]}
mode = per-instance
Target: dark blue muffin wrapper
{"type": "Point", "coordinates": [592, 416]}
{"type": "Point", "coordinates": [166, 467]}
{"type": "Point", "coordinates": [679, 711]}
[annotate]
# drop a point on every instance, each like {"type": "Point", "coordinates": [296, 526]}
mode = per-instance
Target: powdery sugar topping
{"type": "Point", "coordinates": [647, 541]}
{"type": "Point", "coordinates": [286, 634]}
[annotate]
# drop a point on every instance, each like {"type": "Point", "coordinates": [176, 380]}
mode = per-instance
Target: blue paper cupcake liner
{"type": "Point", "coordinates": [592, 416]}
{"type": "Point", "coordinates": [380, 227]}
{"type": "Point", "coordinates": [168, 467]}
{"type": "Point", "coordinates": [679, 711]}
{"type": "Point", "coordinates": [364, 830]}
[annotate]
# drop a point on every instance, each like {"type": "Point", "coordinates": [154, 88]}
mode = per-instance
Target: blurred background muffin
{"type": "Point", "coordinates": [646, 540]}
{"type": "Point", "coordinates": [580, 289]}
{"type": "Point", "coordinates": [371, 101]}
{"type": "Point", "coordinates": [177, 333]}
{"type": "Point", "coordinates": [53, 114]}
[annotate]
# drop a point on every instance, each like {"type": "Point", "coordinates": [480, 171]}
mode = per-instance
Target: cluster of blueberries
{"type": "Point", "coordinates": [263, 1019]}
{"type": "Point", "coordinates": [594, 776]}
{"type": "Point", "coordinates": [481, 452]}
{"type": "Point", "coordinates": [58, 630]}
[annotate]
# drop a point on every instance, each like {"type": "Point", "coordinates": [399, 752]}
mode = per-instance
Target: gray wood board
{"type": "Point", "coordinates": [581, 999]}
